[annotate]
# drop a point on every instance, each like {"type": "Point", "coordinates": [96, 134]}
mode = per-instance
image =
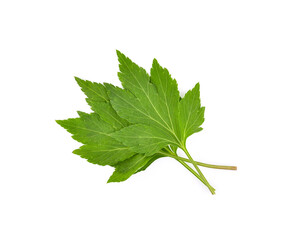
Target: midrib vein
{"type": "Point", "coordinates": [97, 94]}
{"type": "Point", "coordinates": [87, 129]}
{"type": "Point", "coordinates": [140, 87]}
{"type": "Point", "coordinates": [166, 103]}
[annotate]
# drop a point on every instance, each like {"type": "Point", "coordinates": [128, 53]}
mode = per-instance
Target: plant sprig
{"type": "Point", "coordinates": [133, 126]}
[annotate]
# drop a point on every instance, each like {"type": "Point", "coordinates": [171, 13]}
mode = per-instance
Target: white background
{"type": "Point", "coordinates": [239, 51]}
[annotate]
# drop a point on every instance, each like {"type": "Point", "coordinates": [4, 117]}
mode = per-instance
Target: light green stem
{"type": "Point", "coordinates": [216, 166]}
{"type": "Point", "coordinates": [198, 170]}
{"type": "Point", "coordinates": [173, 155]}
{"type": "Point", "coordinates": [212, 190]}
{"type": "Point", "coordinates": [206, 164]}
{"type": "Point", "coordinates": [167, 152]}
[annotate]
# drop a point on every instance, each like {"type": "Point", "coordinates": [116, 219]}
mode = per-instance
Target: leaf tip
{"type": "Point", "coordinates": [197, 85]}
{"type": "Point", "coordinates": [78, 80]}
{"type": "Point", "coordinates": [109, 180]}
{"type": "Point", "coordinates": [119, 54]}
{"type": "Point", "coordinates": [76, 152]}
{"type": "Point", "coordinates": [82, 114]}
{"type": "Point", "coordinates": [62, 123]}
{"type": "Point", "coordinates": [156, 64]}
{"type": "Point", "coordinates": [155, 61]}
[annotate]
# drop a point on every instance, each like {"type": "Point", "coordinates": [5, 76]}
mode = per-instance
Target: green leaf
{"type": "Point", "coordinates": [191, 114]}
{"type": "Point", "coordinates": [153, 105]}
{"type": "Point", "coordinates": [125, 169]}
{"type": "Point", "coordinates": [132, 127]}
{"type": "Point", "coordinates": [104, 153]}
{"type": "Point", "coordinates": [100, 147]}
{"type": "Point", "coordinates": [169, 95]}
{"type": "Point", "coordinates": [143, 138]}
{"type": "Point", "coordinates": [98, 99]}
{"type": "Point", "coordinates": [141, 103]}
{"type": "Point", "coordinates": [150, 104]}
{"type": "Point", "coordinates": [93, 90]}
{"type": "Point", "coordinates": [88, 128]}
{"type": "Point", "coordinates": [154, 158]}
{"type": "Point", "coordinates": [168, 90]}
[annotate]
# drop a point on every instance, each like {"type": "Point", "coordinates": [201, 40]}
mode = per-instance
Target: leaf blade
{"type": "Point", "coordinates": [88, 128]}
{"type": "Point", "coordinates": [143, 138]}
{"type": "Point", "coordinates": [104, 154]}
{"type": "Point", "coordinates": [129, 167]}
{"type": "Point", "coordinates": [98, 100]}
{"type": "Point", "coordinates": [191, 113]}
{"type": "Point", "coordinates": [99, 146]}
{"type": "Point", "coordinates": [140, 103]}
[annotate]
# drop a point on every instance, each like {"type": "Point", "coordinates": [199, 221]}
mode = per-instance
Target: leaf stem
{"type": "Point", "coordinates": [216, 166]}
{"type": "Point", "coordinates": [208, 165]}
{"type": "Point", "coordinates": [198, 170]}
{"type": "Point", "coordinates": [173, 155]}
{"type": "Point", "coordinates": [212, 190]}
{"type": "Point", "coordinates": [167, 152]}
